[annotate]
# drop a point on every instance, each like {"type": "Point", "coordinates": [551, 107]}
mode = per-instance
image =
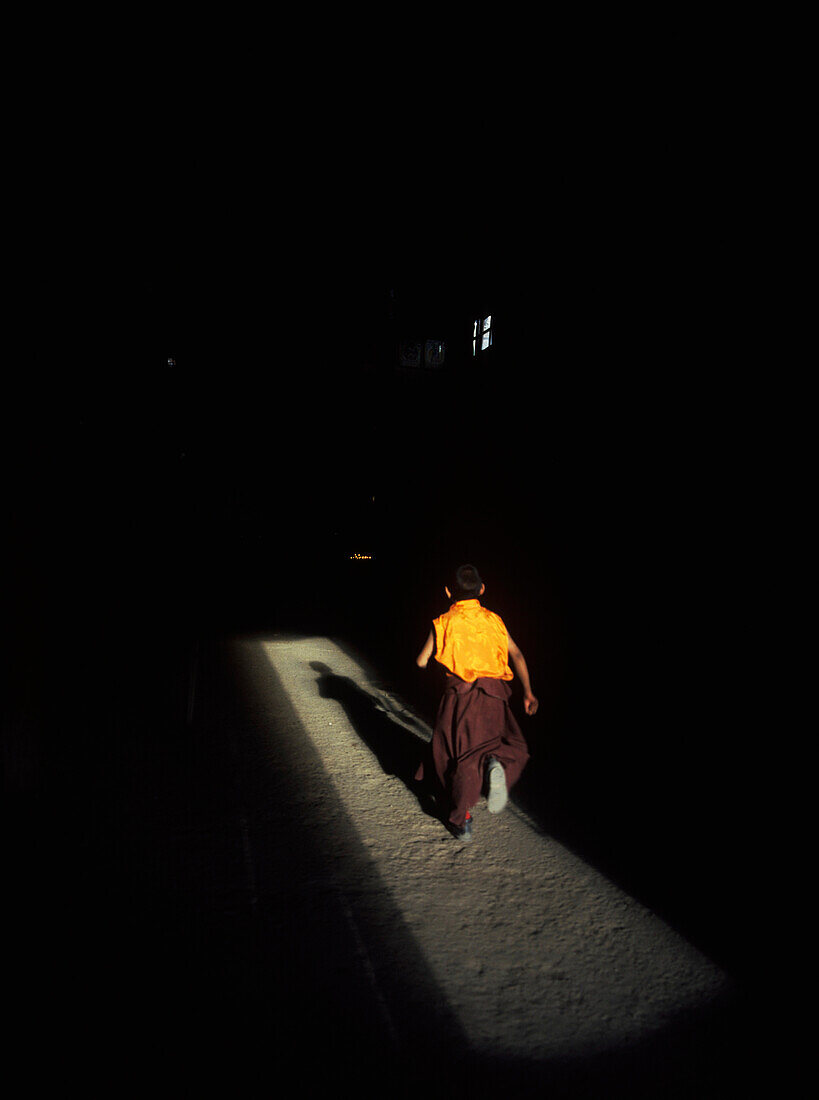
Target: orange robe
{"type": "Point", "coordinates": [471, 642]}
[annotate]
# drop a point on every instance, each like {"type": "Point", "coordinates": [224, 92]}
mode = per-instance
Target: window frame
{"type": "Point", "coordinates": [483, 328]}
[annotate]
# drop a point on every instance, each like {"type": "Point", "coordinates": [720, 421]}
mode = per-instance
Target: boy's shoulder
{"type": "Point", "coordinates": [496, 617]}
{"type": "Point", "coordinates": [452, 612]}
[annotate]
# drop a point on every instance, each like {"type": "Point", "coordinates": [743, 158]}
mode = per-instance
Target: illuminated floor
{"type": "Point", "coordinates": [511, 950]}
{"type": "Point", "coordinates": [238, 885]}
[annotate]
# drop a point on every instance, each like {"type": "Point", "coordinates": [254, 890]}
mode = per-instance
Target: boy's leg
{"type": "Point", "coordinates": [497, 793]}
{"type": "Point", "coordinates": [512, 752]}
{"type": "Point", "coordinates": [504, 764]}
{"type": "Point", "coordinates": [462, 832]}
{"type": "Point", "coordinates": [465, 791]}
{"type": "Point", "coordinates": [513, 763]}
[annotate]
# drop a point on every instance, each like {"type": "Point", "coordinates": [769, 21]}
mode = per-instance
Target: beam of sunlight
{"type": "Point", "coordinates": [537, 953]}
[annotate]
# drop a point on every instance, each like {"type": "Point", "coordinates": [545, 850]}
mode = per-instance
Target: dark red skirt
{"type": "Point", "coordinates": [474, 722]}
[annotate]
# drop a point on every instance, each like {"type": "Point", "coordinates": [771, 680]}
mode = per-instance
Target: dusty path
{"type": "Point", "coordinates": [253, 896]}
{"type": "Point", "coordinates": [507, 957]}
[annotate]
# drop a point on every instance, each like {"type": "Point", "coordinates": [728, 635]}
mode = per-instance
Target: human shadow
{"type": "Point", "coordinates": [398, 751]}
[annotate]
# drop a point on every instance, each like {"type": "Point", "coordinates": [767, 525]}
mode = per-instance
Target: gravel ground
{"type": "Point", "coordinates": [255, 895]}
{"type": "Point", "coordinates": [538, 960]}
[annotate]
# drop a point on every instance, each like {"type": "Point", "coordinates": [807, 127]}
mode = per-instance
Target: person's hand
{"type": "Point", "coordinates": [530, 703]}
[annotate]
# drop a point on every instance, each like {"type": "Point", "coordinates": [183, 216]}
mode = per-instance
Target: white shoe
{"type": "Point", "coordinates": [496, 798]}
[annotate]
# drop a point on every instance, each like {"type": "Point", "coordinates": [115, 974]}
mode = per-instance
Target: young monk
{"type": "Point", "coordinates": [476, 740]}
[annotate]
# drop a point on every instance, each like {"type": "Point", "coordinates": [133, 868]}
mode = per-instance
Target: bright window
{"type": "Point", "coordinates": [482, 334]}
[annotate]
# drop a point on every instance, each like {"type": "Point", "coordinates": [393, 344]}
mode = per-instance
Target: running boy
{"type": "Point", "coordinates": [476, 739]}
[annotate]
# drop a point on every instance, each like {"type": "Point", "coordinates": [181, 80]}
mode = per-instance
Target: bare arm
{"type": "Point", "coordinates": [530, 703]}
{"type": "Point", "coordinates": [422, 660]}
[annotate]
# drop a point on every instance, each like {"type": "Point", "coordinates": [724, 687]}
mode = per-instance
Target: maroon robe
{"type": "Point", "coordinates": [474, 722]}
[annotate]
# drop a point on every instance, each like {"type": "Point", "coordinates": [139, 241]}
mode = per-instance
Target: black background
{"type": "Point", "coordinates": [605, 465]}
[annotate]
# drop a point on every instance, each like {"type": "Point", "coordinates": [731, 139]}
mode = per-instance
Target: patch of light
{"type": "Point", "coordinates": [537, 953]}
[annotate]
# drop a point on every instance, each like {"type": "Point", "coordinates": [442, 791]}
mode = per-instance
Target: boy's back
{"type": "Point", "coordinates": [472, 642]}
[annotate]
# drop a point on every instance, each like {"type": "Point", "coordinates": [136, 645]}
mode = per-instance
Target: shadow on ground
{"type": "Point", "coordinates": [173, 912]}
{"type": "Point", "coordinates": [398, 751]}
